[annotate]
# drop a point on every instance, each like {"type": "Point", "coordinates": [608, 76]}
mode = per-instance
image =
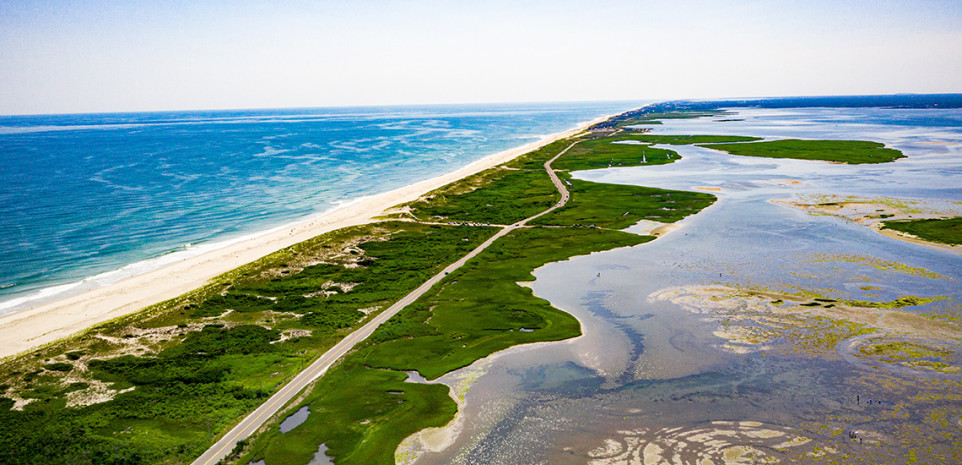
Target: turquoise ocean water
{"type": "Point", "coordinates": [86, 200]}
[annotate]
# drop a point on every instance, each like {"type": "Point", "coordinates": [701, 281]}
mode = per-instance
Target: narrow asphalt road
{"type": "Point", "coordinates": [248, 425]}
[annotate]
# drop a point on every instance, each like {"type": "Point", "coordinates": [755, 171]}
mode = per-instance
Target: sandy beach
{"type": "Point", "coordinates": [49, 322]}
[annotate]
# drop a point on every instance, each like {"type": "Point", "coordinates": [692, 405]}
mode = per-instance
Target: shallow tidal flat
{"type": "Point", "coordinates": [753, 333]}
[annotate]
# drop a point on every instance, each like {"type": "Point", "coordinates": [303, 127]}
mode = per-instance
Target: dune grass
{"type": "Point", "coordinates": [507, 196]}
{"type": "Point", "coordinates": [208, 358]}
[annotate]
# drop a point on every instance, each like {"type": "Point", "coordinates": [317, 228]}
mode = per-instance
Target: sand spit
{"type": "Point", "coordinates": [24, 330]}
{"type": "Point", "coordinates": [873, 212]}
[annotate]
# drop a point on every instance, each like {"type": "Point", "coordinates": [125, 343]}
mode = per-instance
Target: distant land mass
{"type": "Point", "coordinates": [829, 101]}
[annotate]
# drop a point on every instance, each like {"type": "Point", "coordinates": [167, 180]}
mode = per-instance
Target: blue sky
{"type": "Point", "coordinates": [92, 56]}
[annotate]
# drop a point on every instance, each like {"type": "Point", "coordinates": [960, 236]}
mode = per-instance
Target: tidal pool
{"type": "Point", "coordinates": [295, 419]}
{"type": "Point", "coordinates": [658, 380]}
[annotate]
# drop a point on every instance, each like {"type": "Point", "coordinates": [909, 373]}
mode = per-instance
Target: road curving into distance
{"type": "Point", "coordinates": [276, 402]}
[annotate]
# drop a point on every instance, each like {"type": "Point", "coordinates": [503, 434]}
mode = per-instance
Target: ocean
{"type": "Point", "coordinates": [89, 199]}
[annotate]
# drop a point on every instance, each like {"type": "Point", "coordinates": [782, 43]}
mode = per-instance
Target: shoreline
{"type": "Point", "coordinates": [49, 322]}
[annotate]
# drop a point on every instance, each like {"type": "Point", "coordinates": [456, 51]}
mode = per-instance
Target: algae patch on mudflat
{"type": "Point", "coordinates": [922, 355]}
{"type": "Point", "coordinates": [752, 320]}
{"type": "Point", "coordinates": [876, 263]}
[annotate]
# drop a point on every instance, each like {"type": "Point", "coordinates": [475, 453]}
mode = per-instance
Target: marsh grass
{"type": "Point", "coordinates": [941, 230]}
{"type": "Point", "coordinates": [620, 206]}
{"type": "Point", "coordinates": [840, 151]}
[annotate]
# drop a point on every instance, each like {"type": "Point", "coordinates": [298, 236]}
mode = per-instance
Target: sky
{"type": "Point", "coordinates": [79, 56]}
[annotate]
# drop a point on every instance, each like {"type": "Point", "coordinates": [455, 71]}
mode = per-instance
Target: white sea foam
{"type": "Point", "coordinates": [185, 251]}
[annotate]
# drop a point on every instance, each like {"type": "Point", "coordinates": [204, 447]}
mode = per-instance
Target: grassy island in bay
{"type": "Point", "coordinates": [852, 152]}
{"type": "Point", "coordinates": [941, 230]}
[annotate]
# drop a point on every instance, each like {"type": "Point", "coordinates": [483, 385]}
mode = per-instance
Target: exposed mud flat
{"type": "Point", "coordinates": [873, 212]}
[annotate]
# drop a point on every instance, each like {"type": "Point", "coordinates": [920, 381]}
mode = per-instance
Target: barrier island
{"type": "Point", "coordinates": [161, 385]}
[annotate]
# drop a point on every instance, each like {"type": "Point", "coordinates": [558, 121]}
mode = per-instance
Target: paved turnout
{"type": "Point", "coordinates": [248, 425]}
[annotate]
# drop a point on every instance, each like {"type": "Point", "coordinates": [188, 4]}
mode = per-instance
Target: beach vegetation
{"type": "Point", "coordinates": [478, 310]}
{"type": "Point", "coordinates": [59, 366]}
{"type": "Point", "coordinates": [498, 196]}
{"type": "Point", "coordinates": [184, 368]}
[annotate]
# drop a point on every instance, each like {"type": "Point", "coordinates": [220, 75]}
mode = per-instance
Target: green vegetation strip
{"type": "Point", "coordinates": [644, 117]}
{"type": "Point", "coordinates": [901, 302]}
{"type": "Point", "coordinates": [902, 350]}
{"type": "Point", "coordinates": [593, 153]}
{"type": "Point", "coordinates": [603, 153]}
{"type": "Point", "coordinates": [841, 151]}
{"type": "Point", "coordinates": [508, 196]}
{"type": "Point", "coordinates": [620, 206]}
{"type": "Point", "coordinates": [944, 231]}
